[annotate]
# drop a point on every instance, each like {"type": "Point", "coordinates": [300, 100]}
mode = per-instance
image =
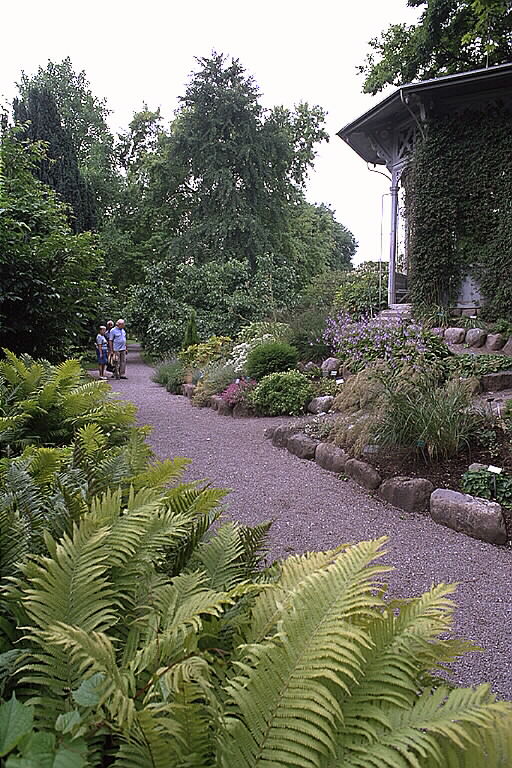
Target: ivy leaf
{"type": "Point", "coordinates": [90, 691]}
{"type": "Point", "coordinates": [66, 722]}
{"type": "Point", "coordinates": [16, 721]}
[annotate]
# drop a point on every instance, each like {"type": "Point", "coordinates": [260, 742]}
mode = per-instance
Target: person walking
{"type": "Point", "coordinates": [101, 351]}
{"type": "Point", "coordinates": [117, 344]}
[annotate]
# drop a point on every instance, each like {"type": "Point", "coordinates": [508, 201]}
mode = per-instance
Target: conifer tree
{"type": "Point", "coordinates": [39, 115]}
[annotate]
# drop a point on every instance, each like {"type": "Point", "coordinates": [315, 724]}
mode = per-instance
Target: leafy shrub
{"type": "Point", "coordinates": [435, 422]}
{"type": "Point", "coordinates": [239, 391]}
{"type": "Point", "coordinates": [282, 393]}
{"type": "Point", "coordinates": [468, 365]}
{"type": "Point", "coordinates": [214, 380]}
{"type": "Point", "coordinates": [360, 342]}
{"type": "Point", "coordinates": [307, 335]}
{"type": "Point", "coordinates": [363, 290]}
{"type": "Point", "coordinates": [269, 358]}
{"type": "Point", "coordinates": [488, 485]}
{"type": "Point", "coordinates": [216, 348]}
{"type": "Point", "coordinates": [171, 375]}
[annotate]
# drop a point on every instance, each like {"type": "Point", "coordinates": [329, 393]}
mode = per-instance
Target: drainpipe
{"type": "Point", "coordinates": [393, 236]}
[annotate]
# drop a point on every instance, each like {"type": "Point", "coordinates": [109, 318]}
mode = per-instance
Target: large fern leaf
{"type": "Point", "coordinates": [284, 709]}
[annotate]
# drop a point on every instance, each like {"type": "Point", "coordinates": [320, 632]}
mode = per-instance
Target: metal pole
{"type": "Point", "coordinates": [393, 237]}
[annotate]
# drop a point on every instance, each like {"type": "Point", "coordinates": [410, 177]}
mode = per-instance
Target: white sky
{"type": "Point", "coordinates": [144, 51]}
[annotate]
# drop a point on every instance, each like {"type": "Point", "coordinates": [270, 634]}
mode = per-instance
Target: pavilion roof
{"type": "Point", "coordinates": [413, 101]}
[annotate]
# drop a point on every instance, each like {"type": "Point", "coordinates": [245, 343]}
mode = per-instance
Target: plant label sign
{"type": "Point", "coordinates": [495, 470]}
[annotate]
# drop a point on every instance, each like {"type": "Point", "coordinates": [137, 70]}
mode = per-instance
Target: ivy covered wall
{"type": "Point", "coordinates": [459, 208]}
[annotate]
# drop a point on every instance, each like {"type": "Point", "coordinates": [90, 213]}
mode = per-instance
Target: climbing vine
{"type": "Point", "coordinates": [459, 208]}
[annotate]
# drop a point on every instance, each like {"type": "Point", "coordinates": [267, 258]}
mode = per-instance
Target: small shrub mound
{"type": "Point", "coordinates": [238, 392]}
{"type": "Point", "coordinates": [282, 393]}
{"type": "Point", "coordinates": [171, 375]}
{"type": "Point", "coordinates": [269, 358]}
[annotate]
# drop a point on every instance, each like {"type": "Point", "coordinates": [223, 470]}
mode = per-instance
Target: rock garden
{"type": "Point", "coordinates": [421, 417]}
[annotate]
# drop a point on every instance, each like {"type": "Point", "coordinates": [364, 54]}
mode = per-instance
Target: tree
{"type": "Point", "coordinates": [50, 278]}
{"type": "Point", "coordinates": [39, 118]}
{"type": "Point", "coordinates": [450, 36]}
{"type": "Point", "coordinates": [84, 116]}
{"type": "Point", "coordinates": [221, 195]}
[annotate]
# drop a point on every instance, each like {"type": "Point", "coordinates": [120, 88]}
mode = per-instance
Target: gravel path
{"type": "Point", "coordinates": [313, 509]}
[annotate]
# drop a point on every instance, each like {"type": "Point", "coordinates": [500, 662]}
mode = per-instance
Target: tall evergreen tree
{"type": "Point", "coordinates": [58, 168]}
{"type": "Point", "coordinates": [84, 117]}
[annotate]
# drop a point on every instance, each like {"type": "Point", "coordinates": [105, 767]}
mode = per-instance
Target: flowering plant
{"type": "Point", "coordinates": [360, 342]}
{"type": "Point", "coordinates": [237, 391]}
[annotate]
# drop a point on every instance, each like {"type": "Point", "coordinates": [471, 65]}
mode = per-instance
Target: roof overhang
{"type": "Point", "coordinates": [414, 101]}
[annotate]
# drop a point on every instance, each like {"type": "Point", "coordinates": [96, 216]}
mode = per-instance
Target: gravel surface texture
{"type": "Point", "coordinates": [313, 509]}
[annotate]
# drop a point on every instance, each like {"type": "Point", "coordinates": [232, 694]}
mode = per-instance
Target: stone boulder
{"type": "Point", "coordinates": [364, 474]}
{"type": "Point", "coordinates": [455, 335]}
{"type": "Point", "coordinates": [494, 382]}
{"type": "Point", "coordinates": [321, 404]}
{"type": "Point", "coordinates": [329, 365]}
{"type": "Point", "coordinates": [330, 457]}
{"type": "Point", "coordinates": [188, 390]}
{"type": "Point", "coordinates": [507, 349]}
{"type": "Point", "coordinates": [282, 433]}
{"type": "Point", "coordinates": [476, 337]}
{"type": "Point", "coordinates": [476, 517]}
{"type": "Point", "coordinates": [411, 494]}
{"type": "Point", "coordinates": [495, 341]}
{"type": "Point", "coordinates": [437, 332]}
{"type": "Point", "coordinates": [302, 446]}
{"type": "Point", "coordinates": [269, 432]}
{"type": "Point", "coordinates": [214, 402]}
{"type": "Point", "coordinates": [477, 467]}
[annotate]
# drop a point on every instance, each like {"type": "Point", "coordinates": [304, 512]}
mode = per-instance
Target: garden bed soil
{"type": "Point", "coordinates": [445, 474]}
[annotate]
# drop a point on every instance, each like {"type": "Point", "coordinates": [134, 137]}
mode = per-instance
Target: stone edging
{"type": "Point", "coordinates": [467, 514]}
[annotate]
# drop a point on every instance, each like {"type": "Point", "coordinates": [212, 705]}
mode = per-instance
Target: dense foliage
{"type": "Point", "coordinates": [271, 357]}
{"type": "Point", "coordinates": [459, 210]}
{"type": "Point", "coordinates": [362, 292]}
{"type": "Point", "coordinates": [450, 36]}
{"type": "Point", "coordinates": [280, 394]}
{"type": "Point", "coordinates": [50, 277]}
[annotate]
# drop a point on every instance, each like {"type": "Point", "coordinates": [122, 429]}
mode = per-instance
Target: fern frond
{"type": "Point", "coordinates": [161, 473]}
{"type": "Point", "coordinates": [92, 653]}
{"type": "Point", "coordinates": [290, 576]}
{"type": "Point", "coordinates": [284, 710]}
{"type": "Point", "coordinates": [465, 722]}
{"type": "Point", "coordinates": [221, 558]}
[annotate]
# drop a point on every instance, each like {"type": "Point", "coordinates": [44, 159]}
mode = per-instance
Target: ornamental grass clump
{"type": "Point", "coordinates": [171, 375]}
{"type": "Point", "coordinates": [361, 342]}
{"type": "Point", "coordinates": [269, 358]}
{"type": "Point", "coordinates": [214, 380]}
{"type": "Point", "coordinates": [434, 422]}
{"type": "Point", "coordinates": [282, 393]}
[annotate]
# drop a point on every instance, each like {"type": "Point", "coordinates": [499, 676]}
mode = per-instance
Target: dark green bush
{"type": "Point", "coordinates": [271, 358]}
{"type": "Point", "coordinates": [488, 485]}
{"type": "Point", "coordinates": [282, 393]}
